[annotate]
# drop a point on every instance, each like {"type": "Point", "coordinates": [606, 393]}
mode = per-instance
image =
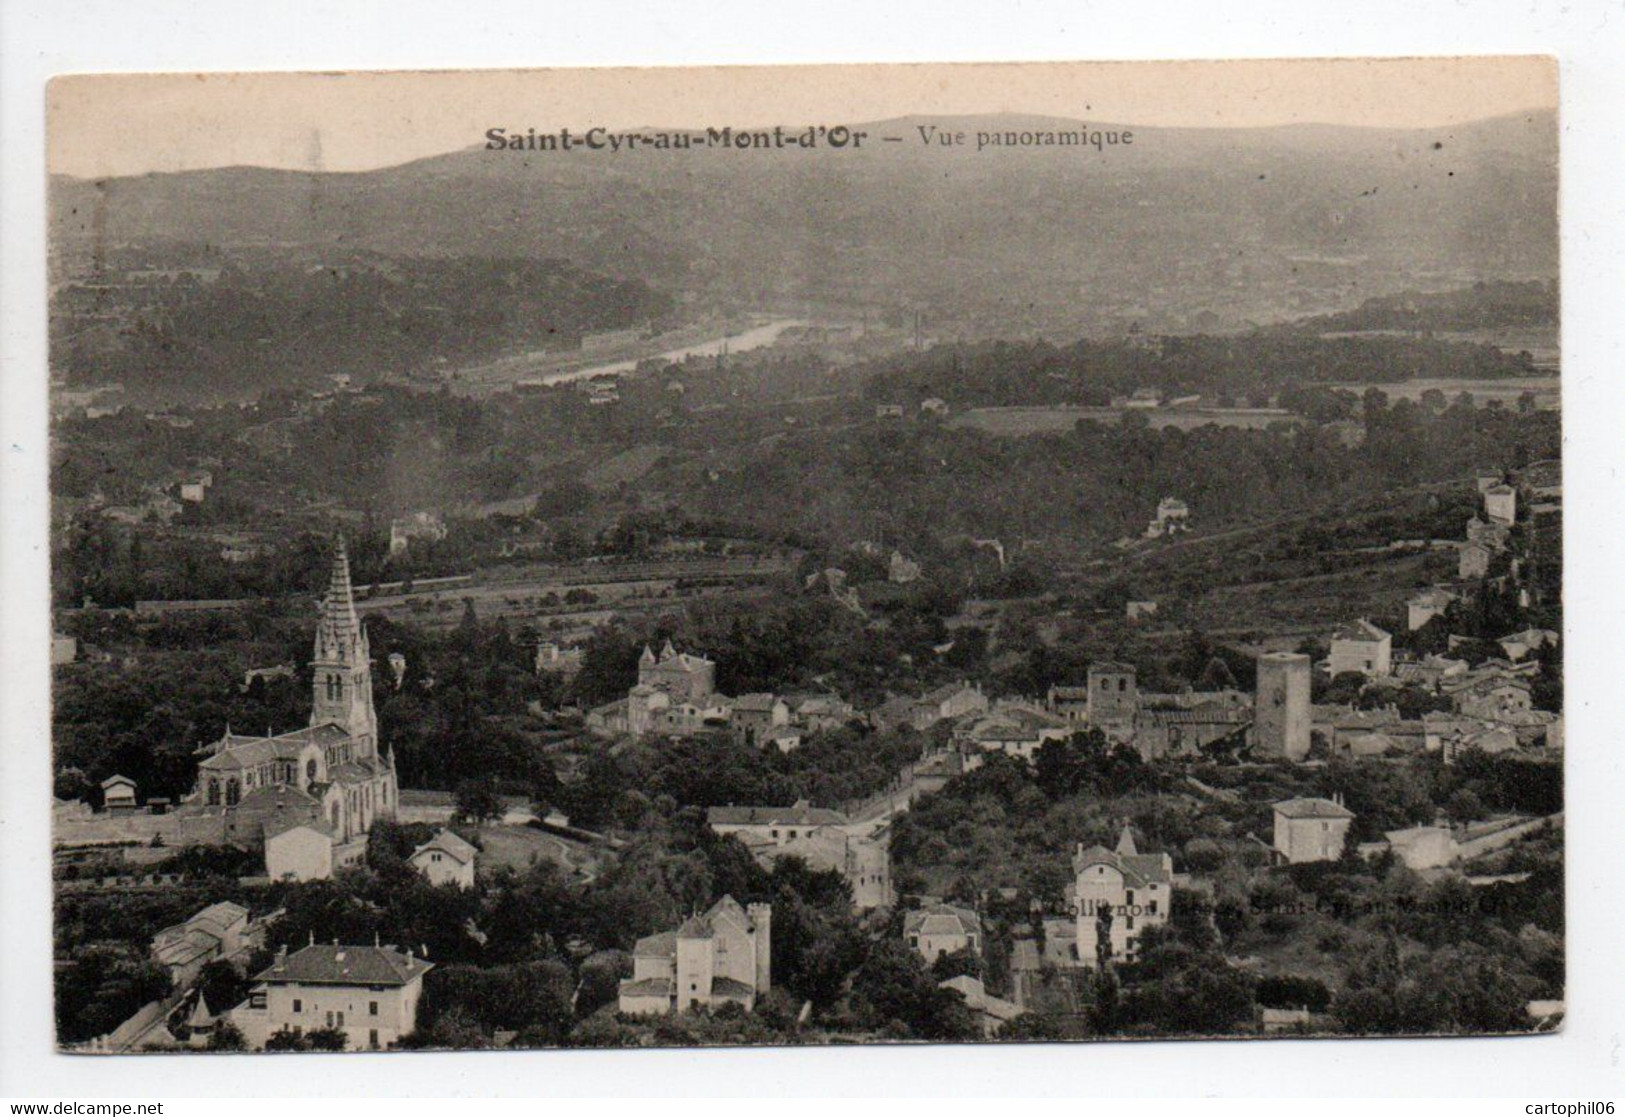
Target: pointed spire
{"type": "Point", "coordinates": [1125, 842]}
{"type": "Point", "coordinates": [667, 651]}
{"type": "Point", "coordinates": [648, 656]}
{"type": "Point", "coordinates": [339, 634]}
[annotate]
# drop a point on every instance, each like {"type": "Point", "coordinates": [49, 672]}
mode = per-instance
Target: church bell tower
{"type": "Point", "coordinates": [343, 664]}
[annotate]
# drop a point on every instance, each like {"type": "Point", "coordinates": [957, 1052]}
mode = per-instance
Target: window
{"type": "Point", "coordinates": [1128, 923]}
{"type": "Point", "coordinates": [330, 1018]}
{"type": "Point", "coordinates": [1151, 907]}
{"type": "Point", "coordinates": [372, 1038]}
{"type": "Point", "coordinates": [1122, 684]}
{"type": "Point", "coordinates": [341, 1019]}
{"type": "Point", "coordinates": [1128, 897]}
{"type": "Point", "coordinates": [298, 1005]}
{"type": "Point", "coordinates": [372, 1008]}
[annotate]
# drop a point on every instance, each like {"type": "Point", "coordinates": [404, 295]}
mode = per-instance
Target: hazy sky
{"type": "Point", "coordinates": [134, 123]}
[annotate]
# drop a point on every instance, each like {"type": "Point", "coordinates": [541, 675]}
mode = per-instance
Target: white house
{"type": "Point", "coordinates": [943, 929]}
{"type": "Point", "coordinates": [1311, 829]}
{"type": "Point", "coordinates": [118, 794]}
{"type": "Point", "coordinates": [214, 933]}
{"type": "Point", "coordinates": [721, 957]}
{"type": "Point", "coordinates": [1426, 605]}
{"type": "Point", "coordinates": [1137, 888]}
{"type": "Point", "coordinates": [445, 859]}
{"type": "Point", "coordinates": [1361, 647]}
{"type": "Point", "coordinates": [370, 993]}
{"type": "Point", "coordinates": [1501, 504]}
{"type": "Point", "coordinates": [991, 1012]}
{"type": "Point", "coordinates": [299, 850]}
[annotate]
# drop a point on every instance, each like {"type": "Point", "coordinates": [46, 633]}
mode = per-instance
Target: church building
{"type": "Point", "coordinates": [330, 777]}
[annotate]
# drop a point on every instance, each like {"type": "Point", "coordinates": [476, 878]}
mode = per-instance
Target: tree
{"type": "Point", "coordinates": [327, 1039]}
{"type": "Point", "coordinates": [477, 802]}
{"type": "Point", "coordinates": [227, 1036]}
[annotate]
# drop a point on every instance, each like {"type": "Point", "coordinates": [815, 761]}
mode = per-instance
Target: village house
{"type": "Point", "coordinates": [1424, 606]}
{"type": "Point", "coordinates": [934, 406]}
{"type": "Point", "coordinates": [721, 957]}
{"type": "Point", "coordinates": [1069, 702]}
{"type": "Point", "coordinates": [1430, 671]}
{"type": "Point", "coordinates": [299, 847]}
{"type": "Point", "coordinates": [992, 1013]}
{"type": "Point", "coordinates": [1013, 728]}
{"type": "Point", "coordinates": [118, 795]}
{"type": "Point", "coordinates": [445, 859]}
{"type": "Point", "coordinates": [1473, 560]}
{"type": "Point", "coordinates": [217, 933]}
{"type": "Point", "coordinates": [943, 929]}
{"type": "Point", "coordinates": [1488, 696]}
{"type": "Point", "coordinates": [754, 714]}
{"type": "Point", "coordinates": [1311, 829]}
{"type": "Point", "coordinates": [1530, 640]}
{"type": "Point", "coordinates": [824, 839]}
{"type": "Point", "coordinates": [1173, 517]}
{"type": "Point", "coordinates": [551, 659]}
{"type": "Point", "coordinates": [1136, 888]}
{"type": "Point", "coordinates": [370, 993]}
{"type": "Point", "coordinates": [1501, 504]}
{"type": "Point", "coordinates": [1423, 847]}
{"type": "Point", "coordinates": [1360, 647]}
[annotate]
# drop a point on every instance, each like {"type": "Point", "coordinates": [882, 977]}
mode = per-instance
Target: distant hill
{"type": "Point", "coordinates": [1244, 223]}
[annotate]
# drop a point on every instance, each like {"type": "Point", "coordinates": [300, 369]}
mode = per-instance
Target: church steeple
{"type": "Point", "coordinates": [343, 663]}
{"type": "Point", "coordinates": [339, 636]}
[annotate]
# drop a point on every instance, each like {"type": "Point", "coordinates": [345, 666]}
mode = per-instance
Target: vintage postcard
{"type": "Point", "coordinates": [806, 555]}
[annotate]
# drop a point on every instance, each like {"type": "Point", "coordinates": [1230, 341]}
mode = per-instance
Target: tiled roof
{"type": "Point", "coordinates": [730, 987]}
{"type": "Point", "coordinates": [942, 919]}
{"type": "Point", "coordinates": [1140, 868]}
{"type": "Point", "coordinates": [662, 945]}
{"type": "Point", "coordinates": [757, 703]}
{"type": "Point", "coordinates": [450, 844]}
{"type": "Point", "coordinates": [1362, 631]}
{"type": "Point", "coordinates": [335, 964]}
{"type": "Point", "coordinates": [799, 814]}
{"type": "Point", "coordinates": [1312, 808]}
{"type": "Point", "coordinates": [648, 987]}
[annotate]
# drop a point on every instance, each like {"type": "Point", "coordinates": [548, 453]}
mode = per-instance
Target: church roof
{"type": "Point", "coordinates": [237, 750]}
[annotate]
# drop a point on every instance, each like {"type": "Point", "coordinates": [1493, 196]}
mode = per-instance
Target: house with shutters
{"type": "Point", "coordinates": [1311, 829]}
{"type": "Point", "coordinates": [369, 993]}
{"type": "Point", "coordinates": [943, 929]}
{"type": "Point", "coordinates": [445, 859]}
{"type": "Point", "coordinates": [723, 956]}
{"type": "Point", "coordinates": [1134, 888]}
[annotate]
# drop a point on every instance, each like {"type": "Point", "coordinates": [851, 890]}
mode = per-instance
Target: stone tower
{"type": "Point", "coordinates": [343, 665]}
{"type": "Point", "coordinates": [761, 918]}
{"type": "Point", "coordinates": [1114, 696]}
{"type": "Point", "coordinates": [1281, 706]}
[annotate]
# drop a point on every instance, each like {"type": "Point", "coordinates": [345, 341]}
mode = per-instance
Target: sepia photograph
{"type": "Point", "coordinates": [805, 555]}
